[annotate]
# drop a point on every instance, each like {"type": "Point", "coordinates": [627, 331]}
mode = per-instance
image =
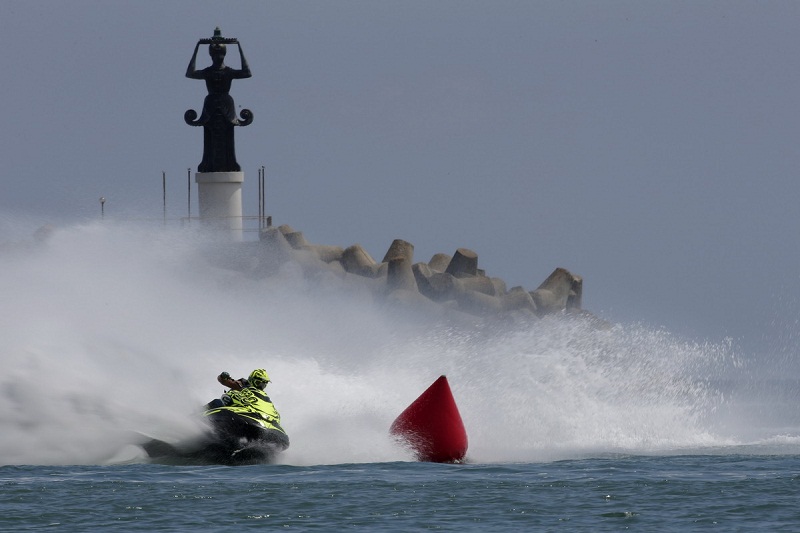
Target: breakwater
{"type": "Point", "coordinates": [447, 284]}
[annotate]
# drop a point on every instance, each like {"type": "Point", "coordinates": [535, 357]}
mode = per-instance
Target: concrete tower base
{"type": "Point", "coordinates": [220, 199]}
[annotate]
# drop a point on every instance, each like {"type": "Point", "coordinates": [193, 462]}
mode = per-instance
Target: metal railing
{"type": "Point", "coordinates": [250, 223]}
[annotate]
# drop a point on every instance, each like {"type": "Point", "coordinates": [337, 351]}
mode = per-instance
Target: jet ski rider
{"type": "Point", "coordinates": [248, 398]}
{"type": "Point", "coordinates": [247, 393]}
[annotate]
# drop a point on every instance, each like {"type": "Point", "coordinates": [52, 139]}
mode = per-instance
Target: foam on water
{"type": "Point", "coordinates": [112, 328]}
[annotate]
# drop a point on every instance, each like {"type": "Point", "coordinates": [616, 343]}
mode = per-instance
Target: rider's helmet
{"type": "Point", "coordinates": [258, 378]}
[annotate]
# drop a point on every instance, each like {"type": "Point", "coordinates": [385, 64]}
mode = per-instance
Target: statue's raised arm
{"type": "Point", "coordinates": [191, 70]}
{"type": "Point", "coordinates": [245, 72]}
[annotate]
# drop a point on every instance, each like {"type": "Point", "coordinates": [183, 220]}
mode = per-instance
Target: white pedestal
{"type": "Point", "coordinates": [220, 198]}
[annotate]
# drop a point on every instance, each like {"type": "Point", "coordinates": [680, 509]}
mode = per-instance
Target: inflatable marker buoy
{"type": "Point", "coordinates": [432, 426]}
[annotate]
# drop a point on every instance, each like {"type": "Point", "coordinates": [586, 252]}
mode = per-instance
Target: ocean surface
{"type": "Point", "coordinates": [727, 491]}
{"type": "Point", "coordinates": [110, 331]}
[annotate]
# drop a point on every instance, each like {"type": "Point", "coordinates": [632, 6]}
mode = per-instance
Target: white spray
{"type": "Point", "coordinates": [109, 329]}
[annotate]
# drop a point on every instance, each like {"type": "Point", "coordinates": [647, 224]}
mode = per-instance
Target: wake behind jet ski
{"type": "Point", "coordinates": [243, 427]}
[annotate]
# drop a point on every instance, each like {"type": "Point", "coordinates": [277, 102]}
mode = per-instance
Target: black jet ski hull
{"type": "Point", "coordinates": [232, 439]}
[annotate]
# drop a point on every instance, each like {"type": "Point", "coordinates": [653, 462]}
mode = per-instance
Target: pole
{"type": "Point", "coordinates": [260, 200]}
{"type": "Point", "coordinates": [189, 193]}
{"type": "Point", "coordinates": [164, 193]}
{"type": "Point", "coordinates": [102, 207]}
{"type": "Point", "coordinates": [263, 192]}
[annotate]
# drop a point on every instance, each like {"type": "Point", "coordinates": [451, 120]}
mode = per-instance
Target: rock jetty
{"type": "Point", "coordinates": [452, 283]}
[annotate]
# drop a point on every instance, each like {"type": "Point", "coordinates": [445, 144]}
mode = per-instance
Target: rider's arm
{"type": "Point", "coordinates": [226, 380]}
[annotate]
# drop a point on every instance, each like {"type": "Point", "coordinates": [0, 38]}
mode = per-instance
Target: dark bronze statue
{"type": "Point", "coordinates": [218, 117]}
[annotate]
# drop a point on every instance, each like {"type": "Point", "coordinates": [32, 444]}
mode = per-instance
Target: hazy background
{"type": "Point", "coordinates": [648, 146]}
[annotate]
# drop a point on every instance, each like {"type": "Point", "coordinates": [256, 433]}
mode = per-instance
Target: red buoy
{"type": "Point", "coordinates": [432, 426]}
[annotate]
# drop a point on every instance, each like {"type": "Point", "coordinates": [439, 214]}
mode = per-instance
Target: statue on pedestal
{"type": "Point", "coordinates": [218, 117]}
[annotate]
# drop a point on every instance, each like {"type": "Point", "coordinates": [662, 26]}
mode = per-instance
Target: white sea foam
{"type": "Point", "coordinates": [112, 328]}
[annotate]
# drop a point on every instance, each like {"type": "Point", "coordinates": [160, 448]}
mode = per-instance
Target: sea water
{"type": "Point", "coordinates": [113, 330]}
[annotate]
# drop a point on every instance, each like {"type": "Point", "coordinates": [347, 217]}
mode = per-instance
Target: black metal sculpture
{"type": "Point", "coordinates": [218, 117]}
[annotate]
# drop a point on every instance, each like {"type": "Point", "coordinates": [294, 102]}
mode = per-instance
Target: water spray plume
{"type": "Point", "coordinates": [110, 329]}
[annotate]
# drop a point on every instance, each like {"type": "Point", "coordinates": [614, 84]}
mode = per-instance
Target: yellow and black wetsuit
{"type": "Point", "coordinates": [254, 404]}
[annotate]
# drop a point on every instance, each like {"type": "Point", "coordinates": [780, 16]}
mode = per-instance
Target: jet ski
{"type": "Point", "coordinates": [243, 427]}
{"type": "Point", "coordinates": [233, 436]}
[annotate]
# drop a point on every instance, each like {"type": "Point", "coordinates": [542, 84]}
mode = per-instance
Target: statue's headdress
{"type": "Point", "coordinates": [217, 42]}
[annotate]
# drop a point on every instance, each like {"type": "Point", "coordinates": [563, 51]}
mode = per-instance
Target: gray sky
{"type": "Point", "coordinates": [648, 146]}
